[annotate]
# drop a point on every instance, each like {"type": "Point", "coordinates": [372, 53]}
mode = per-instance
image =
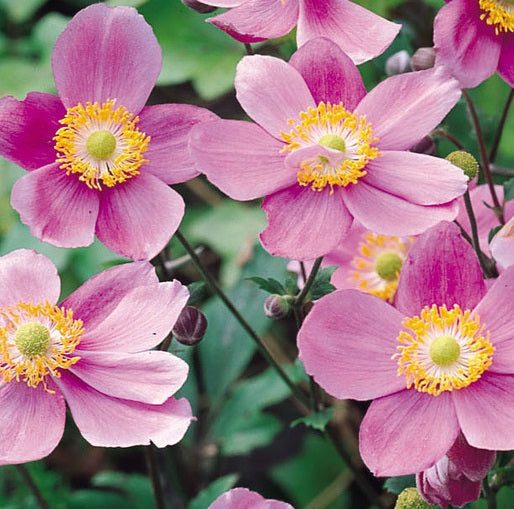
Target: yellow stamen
{"type": "Point", "coordinates": [101, 144]}
{"type": "Point", "coordinates": [37, 341]}
{"type": "Point", "coordinates": [499, 13]}
{"type": "Point", "coordinates": [445, 351]}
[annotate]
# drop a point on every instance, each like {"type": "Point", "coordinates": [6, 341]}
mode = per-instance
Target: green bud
{"type": "Point", "coordinates": [410, 498]}
{"type": "Point", "coordinates": [465, 161]}
{"type": "Point", "coordinates": [277, 307]}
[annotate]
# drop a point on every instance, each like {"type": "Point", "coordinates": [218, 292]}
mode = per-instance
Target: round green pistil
{"type": "Point", "coordinates": [444, 350]}
{"type": "Point", "coordinates": [101, 144]}
{"type": "Point", "coordinates": [388, 265]}
{"type": "Point", "coordinates": [332, 141]}
{"type": "Point", "coordinates": [32, 339]}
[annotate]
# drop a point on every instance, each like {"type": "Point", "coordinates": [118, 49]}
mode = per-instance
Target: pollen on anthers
{"type": "Point", "coordinates": [498, 13]}
{"type": "Point", "coordinates": [345, 142]}
{"type": "Point", "coordinates": [101, 144]}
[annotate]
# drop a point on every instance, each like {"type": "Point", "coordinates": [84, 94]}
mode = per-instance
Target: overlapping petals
{"type": "Point", "coordinates": [242, 498]}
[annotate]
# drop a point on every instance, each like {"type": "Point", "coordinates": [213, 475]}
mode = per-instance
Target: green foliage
{"type": "Point", "coordinates": [322, 285]}
{"type": "Point", "coordinates": [268, 284]}
{"type": "Point", "coordinates": [508, 187]}
{"type": "Point", "coordinates": [396, 485]}
{"type": "Point", "coordinates": [213, 491]}
{"type": "Point", "coordinates": [318, 420]}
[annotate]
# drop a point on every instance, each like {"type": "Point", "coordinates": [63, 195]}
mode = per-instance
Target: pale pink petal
{"type": "Point", "coordinates": [485, 410]}
{"type": "Point", "coordinates": [111, 422]}
{"type": "Point", "coordinates": [258, 20]}
{"type": "Point", "coordinates": [58, 208]}
{"type": "Point", "coordinates": [169, 126]}
{"type": "Point", "coordinates": [464, 44]}
{"type": "Point", "coordinates": [407, 432]}
{"type": "Point", "coordinates": [138, 217]}
{"type": "Point", "coordinates": [502, 245]}
{"type": "Point", "coordinates": [506, 62]}
{"type": "Point", "coordinates": [242, 498]}
{"type": "Point", "coordinates": [345, 337]}
{"type": "Point", "coordinates": [441, 269]}
{"type": "Point", "coordinates": [271, 91]}
{"type": "Point", "coordinates": [360, 33]}
{"type": "Point", "coordinates": [99, 295]}
{"type": "Point", "coordinates": [224, 3]}
{"type": "Point", "coordinates": [26, 276]}
{"type": "Point", "coordinates": [330, 75]}
{"type": "Point", "coordinates": [27, 128]}
{"type": "Point", "coordinates": [418, 178]}
{"type": "Point", "coordinates": [106, 53]}
{"type": "Point", "coordinates": [304, 224]}
{"type": "Point", "coordinates": [31, 422]}
{"type": "Point", "coordinates": [140, 321]}
{"type": "Point", "coordinates": [240, 158]}
{"type": "Point", "coordinates": [404, 108]}
{"type": "Point", "coordinates": [385, 213]}
{"type": "Point", "coordinates": [148, 377]}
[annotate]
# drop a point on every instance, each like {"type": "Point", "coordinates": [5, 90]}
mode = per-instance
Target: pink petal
{"type": "Point", "coordinates": [138, 217]}
{"type": "Point", "coordinates": [100, 295]}
{"type": "Point", "coordinates": [271, 91]}
{"type": "Point", "coordinates": [502, 245]}
{"type": "Point", "coordinates": [169, 126]}
{"type": "Point", "coordinates": [418, 178]}
{"type": "Point", "coordinates": [330, 75]}
{"type": "Point", "coordinates": [407, 432]}
{"type": "Point", "coordinates": [148, 377]}
{"type": "Point", "coordinates": [345, 337]}
{"type": "Point", "coordinates": [441, 269]}
{"type": "Point", "coordinates": [105, 421]}
{"type": "Point", "coordinates": [240, 158]}
{"type": "Point", "coordinates": [465, 44]}
{"type": "Point", "coordinates": [404, 108]}
{"type": "Point", "coordinates": [506, 62]}
{"type": "Point", "coordinates": [106, 53]}
{"type": "Point", "coordinates": [140, 321]}
{"type": "Point", "coordinates": [360, 33]}
{"type": "Point", "coordinates": [242, 498]}
{"type": "Point", "coordinates": [26, 276]}
{"type": "Point", "coordinates": [31, 422]}
{"type": "Point", "coordinates": [304, 224]}
{"type": "Point", "coordinates": [485, 410]}
{"type": "Point", "coordinates": [224, 3]}
{"type": "Point", "coordinates": [58, 208]}
{"type": "Point", "coordinates": [472, 462]}
{"type": "Point", "coordinates": [385, 213]}
{"type": "Point", "coordinates": [27, 128]}
{"type": "Point", "coordinates": [258, 20]}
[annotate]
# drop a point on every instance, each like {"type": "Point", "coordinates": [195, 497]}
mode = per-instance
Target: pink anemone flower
{"type": "Point", "coordinates": [474, 38]}
{"type": "Point", "coordinates": [92, 352]}
{"type": "Point", "coordinates": [438, 364]}
{"type": "Point", "coordinates": [360, 33]}
{"type": "Point", "coordinates": [502, 245]}
{"type": "Point", "coordinates": [323, 151]}
{"type": "Point", "coordinates": [98, 161]}
{"type": "Point", "coordinates": [242, 498]}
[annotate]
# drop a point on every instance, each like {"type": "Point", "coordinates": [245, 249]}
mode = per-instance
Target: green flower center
{"type": "Point", "coordinates": [332, 141]}
{"type": "Point", "coordinates": [101, 144]}
{"type": "Point", "coordinates": [32, 339]}
{"type": "Point", "coordinates": [388, 265]}
{"type": "Point", "coordinates": [444, 350]}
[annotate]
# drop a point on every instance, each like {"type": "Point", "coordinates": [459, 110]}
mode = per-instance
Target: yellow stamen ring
{"type": "Point", "coordinates": [499, 13]}
{"type": "Point", "coordinates": [37, 341]}
{"type": "Point", "coordinates": [101, 144]}
{"type": "Point", "coordinates": [446, 350]}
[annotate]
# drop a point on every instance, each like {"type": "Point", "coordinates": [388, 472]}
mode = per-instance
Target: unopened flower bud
{"type": "Point", "coordinates": [277, 307]}
{"type": "Point", "coordinates": [199, 6]}
{"type": "Point", "coordinates": [423, 58]}
{"type": "Point", "coordinates": [465, 161]}
{"type": "Point", "coordinates": [410, 498]}
{"type": "Point", "coordinates": [398, 63]}
{"type": "Point", "coordinates": [425, 146]}
{"type": "Point", "coordinates": [190, 327]}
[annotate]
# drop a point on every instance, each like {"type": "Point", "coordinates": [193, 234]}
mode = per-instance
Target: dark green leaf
{"type": "Point", "coordinates": [508, 187]}
{"type": "Point", "coordinates": [322, 285]}
{"type": "Point", "coordinates": [318, 420]}
{"type": "Point", "coordinates": [197, 291]}
{"type": "Point", "coordinates": [207, 496]}
{"type": "Point", "coordinates": [397, 484]}
{"type": "Point", "coordinates": [493, 232]}
{"type": "Point", "coordinates": [268, 284]}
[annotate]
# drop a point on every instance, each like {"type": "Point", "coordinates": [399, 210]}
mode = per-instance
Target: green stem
{"type": "Point", "coordinates": [248, 48]}
{"type": "Point", "coordinates": [153, 470]}
{"type": "Point", "coordinates": [309, 282]}
{"type": "Point", "coordinates": [27, 478]}
{"type": "Point", "coordinates": [501, 125]}
{"type": "Point", "coordinates": [216, 288]}
{"type": "Point", "coordinates": [443, 134]}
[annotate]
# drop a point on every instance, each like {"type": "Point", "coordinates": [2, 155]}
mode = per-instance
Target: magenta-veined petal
{"type": "Point", "coordinates": [329, 73]}
{"type": "Point", "coordinates": [485, 410]}
{"type": "Point", "coordinates": [105, 421]}
{"type": "Point", "coordinates": [138, 217]}
{"type": "Point", "coordinates": [106, 53]}
{"type": "Point", "coordinates": [472, 462]}
{"type": "Point", "coordinates": [140, 321]}
{"type": "Point", "coordinates": [271, 91]}
{"type": "Point", "coordinates": [359, 32]}
{"type": "Point", "coordinates": [404, 108]}
{"type": "Point", "coordinates": [169, 127]}
{"type": "Point", "coordinates": [304, 224]}
{"type": "Point", "coordinates": [27, 128]}
{"type": "Point", "coordinates": [407, 432]}
{"type": "Point", "coordinates": [148, 377]}
{"type": "Point", "coordinates": [242, 498]}
{"type": "Point", "coordinates": [241, 158]}
{"type": "Point", "coordinates": [31, 422]}
{"type": "Point", "coordinates": [345, 337]}
{"type": "Point", "coordinates": [58, 208]}
{"type": "Point", "coordinates": [506, 62]}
